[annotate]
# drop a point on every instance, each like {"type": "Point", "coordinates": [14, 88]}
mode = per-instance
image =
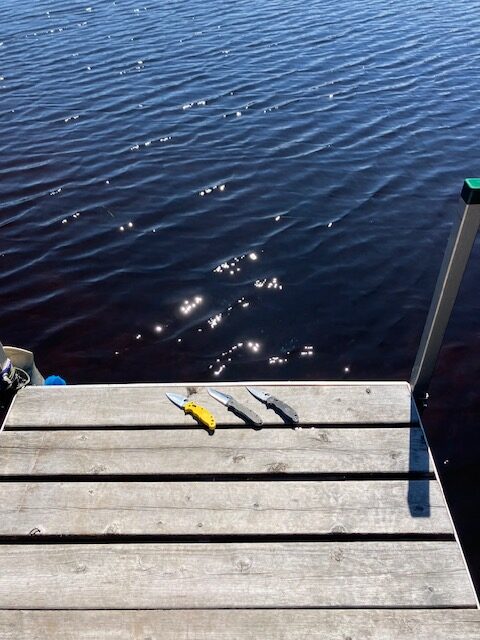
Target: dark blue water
{"type": "Point", "coordinates": [238, 190]}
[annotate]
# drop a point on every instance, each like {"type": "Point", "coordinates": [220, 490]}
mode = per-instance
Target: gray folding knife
{"type": "Point", "coordinates": [282, 408]}
{"type": "Point", "coordinates": [235, 407]}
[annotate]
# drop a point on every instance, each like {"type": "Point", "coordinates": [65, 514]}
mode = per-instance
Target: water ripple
{"type": "Point", "coordinates": [289, 164]}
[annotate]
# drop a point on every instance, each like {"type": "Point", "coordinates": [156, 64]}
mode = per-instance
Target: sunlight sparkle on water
{"type": "Point", "coordinates": [269, 284]}
{"type": "Point", "coordinates": [190, 305]}
{"type": "Point", "coordinates": [228, 356]}
{"type": "Point", "coordinates": [307, 351]}
{"type": "Point", "coordinates": [214, 320]}
{"type": "Point", "coordinates": [208, 190]}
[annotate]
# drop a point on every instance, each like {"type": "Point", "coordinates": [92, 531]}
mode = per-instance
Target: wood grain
{"type": "Point", "coordinates": [222, 508]}
{"type": "Point", "coordinates": [299, 624]}
{"type": "Point", "coordinates": [229, 451]}
{"type": "Point", "coordinates": [186, 576]}
{"type": "Point", "coordinates": [147, 405]}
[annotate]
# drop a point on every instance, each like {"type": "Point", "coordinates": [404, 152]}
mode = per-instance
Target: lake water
{"type": "Point", "coordinates": [237, 190]}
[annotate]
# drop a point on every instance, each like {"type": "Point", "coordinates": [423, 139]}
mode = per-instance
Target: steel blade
{"type": "Point", "coordinates": [218, 395]}
{"type": "Point", "coordinates": [177, 399]}
{"type": "Point", "coordinates": [260, 395]}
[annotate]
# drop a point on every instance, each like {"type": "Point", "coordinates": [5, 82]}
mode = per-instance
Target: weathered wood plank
{"type": "Point", "coordinates": [173, 576]}
{"type": "Point", "coordinates": [147, 405]}
{"type": "Point", "coordinates": [222, 508]}
{"type": "Point", "coordinates": [293, 624]}
{"type": "Point", "coordinates": [310, 450]}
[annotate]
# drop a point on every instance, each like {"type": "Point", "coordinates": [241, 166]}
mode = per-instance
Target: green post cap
{"type": "Point", "coordinates": [471, 191]}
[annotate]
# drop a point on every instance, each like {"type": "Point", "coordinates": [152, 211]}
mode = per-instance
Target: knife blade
{"type": "Point", "coordinates": [236, 407]}
{"type": "Point", "coordinates": [195, 410]}
{"type": "Point", "coordinates": [282, 408]}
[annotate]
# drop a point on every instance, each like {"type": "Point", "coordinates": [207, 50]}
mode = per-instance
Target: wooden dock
{"type": "Point", "coordinates": [121, 518]}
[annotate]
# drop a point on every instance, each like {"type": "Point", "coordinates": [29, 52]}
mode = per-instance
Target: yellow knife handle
{"type": "Point", "coordinates": [201, 414]}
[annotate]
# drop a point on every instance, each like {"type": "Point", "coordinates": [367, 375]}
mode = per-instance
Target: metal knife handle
{"type": "Point", "coordinates": [283, 408]}
{"type": "Point", "coordinates": [244, 412]}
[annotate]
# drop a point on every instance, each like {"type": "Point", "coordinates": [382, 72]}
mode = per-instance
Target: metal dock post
{"type": "Point", "coordinates": [460, 244]}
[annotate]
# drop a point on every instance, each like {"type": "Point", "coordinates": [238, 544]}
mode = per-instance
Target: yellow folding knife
{"type": "Point", "coordinates": [195, 410]}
